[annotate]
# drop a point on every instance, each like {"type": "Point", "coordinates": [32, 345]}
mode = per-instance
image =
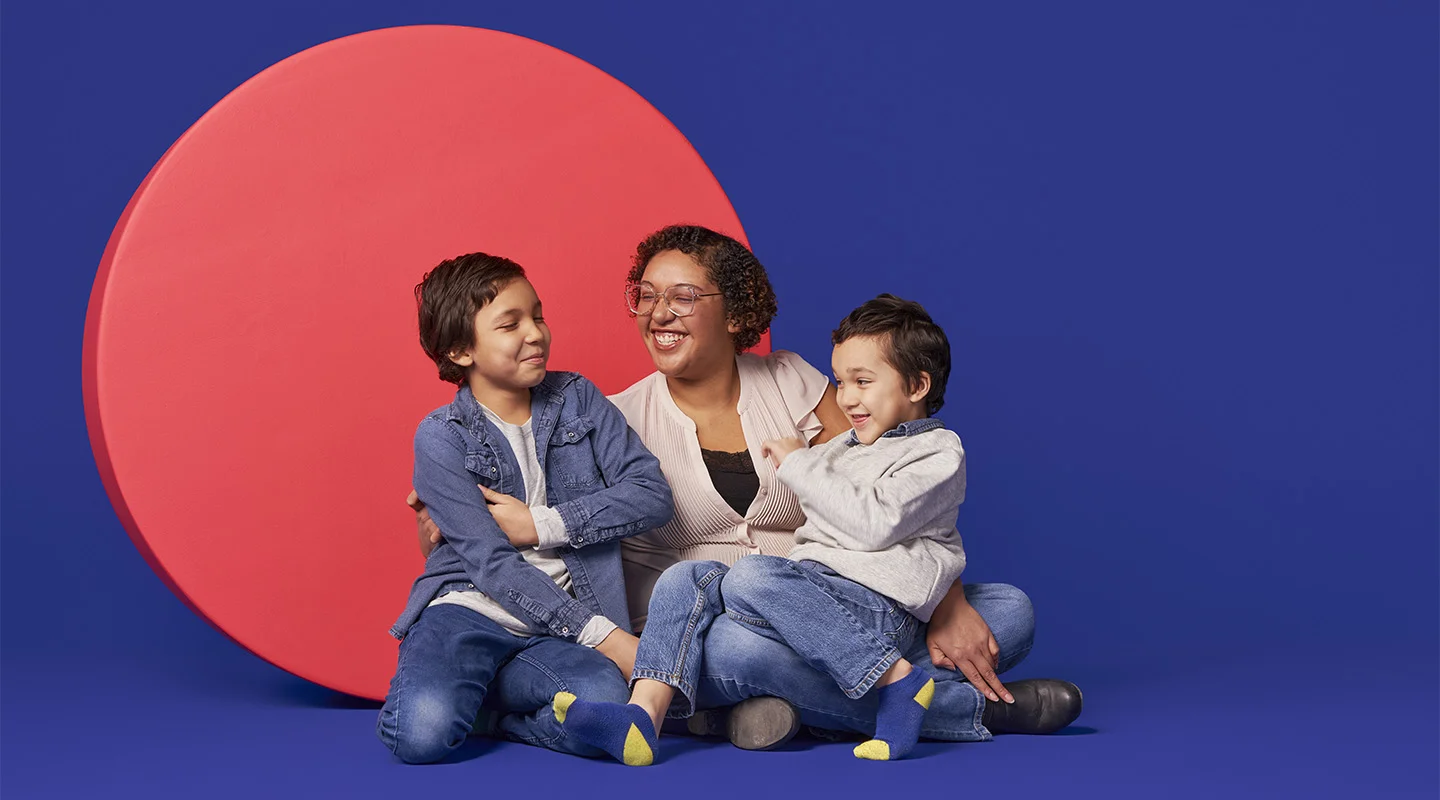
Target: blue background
{"type": "Point", "coordinates": [1188, 258]}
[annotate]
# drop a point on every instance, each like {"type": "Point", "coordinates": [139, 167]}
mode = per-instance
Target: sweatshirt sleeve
{"type": "Point", "coordinates": [867, 517]}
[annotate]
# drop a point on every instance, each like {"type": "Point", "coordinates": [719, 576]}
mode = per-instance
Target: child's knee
{"type": "Point", "coordinates": [751, 579]}
{"type": "Point", "coordinates": [688, 576]}
{"type": "Point", "coordinates": [420, 728]}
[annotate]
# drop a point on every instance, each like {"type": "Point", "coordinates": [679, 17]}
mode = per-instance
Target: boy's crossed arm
{"type": "Point", "coordinates": [636, 497]}
{"type": "Point", "coordinates": [491, 561]}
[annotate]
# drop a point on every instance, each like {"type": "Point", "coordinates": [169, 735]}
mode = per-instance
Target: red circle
{"type": "Point", "coordinates": [252, 375]}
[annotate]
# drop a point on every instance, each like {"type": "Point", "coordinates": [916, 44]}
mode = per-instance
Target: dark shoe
{"type": "Point", "coordinates": [705, 722]}
{"type": "Point", "coordinates": [760, 723]}
{"type": "Point", "coordinates": [1042, 705]}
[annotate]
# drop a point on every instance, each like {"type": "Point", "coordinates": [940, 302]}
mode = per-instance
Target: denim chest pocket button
{"type": "Point", "coordinates": [571, 430]}
{"type": "Point", "coordinates": [573, 459]}
{"type": "Point", "coordinates": [480, 464]}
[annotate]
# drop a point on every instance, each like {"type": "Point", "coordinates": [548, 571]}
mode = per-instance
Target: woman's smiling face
{"type": "Point", "coordinates": [691, 346]}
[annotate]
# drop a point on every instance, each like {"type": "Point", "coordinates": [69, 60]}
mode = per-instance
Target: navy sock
{"type": "Point", "coordinates": [897, 723]}
{"type": "Point", "coordinates": [623, 731]}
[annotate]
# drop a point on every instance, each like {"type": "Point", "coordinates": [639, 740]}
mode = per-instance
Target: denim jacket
{"type": "Point", "coordinates": [600, 478]}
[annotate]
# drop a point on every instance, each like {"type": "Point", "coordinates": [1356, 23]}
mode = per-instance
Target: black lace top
{"type": "Point", "coordinates": [733, 475]}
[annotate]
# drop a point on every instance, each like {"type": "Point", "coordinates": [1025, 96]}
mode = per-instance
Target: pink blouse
{"type": "Point", "coordinates": [778, 395]}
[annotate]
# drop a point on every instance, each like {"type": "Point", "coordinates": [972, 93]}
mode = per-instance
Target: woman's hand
{"type": "Point", "coordinates": [430, 537]}
{"type": "Point", "coordinates": [620, 647]}
{"type": "Point", "coordinates": [959, 639]}
{"type": "Point", "coordinates": [777, 450]}
{"type": "Point", "coordinates": [513, 516]}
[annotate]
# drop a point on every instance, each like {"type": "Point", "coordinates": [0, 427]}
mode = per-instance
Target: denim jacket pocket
{"type": "Point", "coordinates": [572, 453]}
{"type": "Point", "coordinates": [479, 463]}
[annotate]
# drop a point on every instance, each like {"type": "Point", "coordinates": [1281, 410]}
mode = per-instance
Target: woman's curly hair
{"type": "Point", "coordinates": [744, 286]}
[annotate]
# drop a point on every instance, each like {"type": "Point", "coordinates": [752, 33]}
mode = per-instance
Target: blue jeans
{"type": "Point", "coordinates": [453, 661]}
{"type": "Point", "coordinates": [738, 662]}
{"type": "Point", "coordinates": [836, 625]}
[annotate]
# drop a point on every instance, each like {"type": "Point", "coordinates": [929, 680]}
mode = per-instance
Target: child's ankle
{"type": "Point", "coordinates": [654, 697]}
{"type": "Point", "coordinates": [897, 671]}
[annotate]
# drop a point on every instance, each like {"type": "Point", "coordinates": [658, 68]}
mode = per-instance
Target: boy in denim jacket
{"type": "Point", "coordinates": [525, 598]}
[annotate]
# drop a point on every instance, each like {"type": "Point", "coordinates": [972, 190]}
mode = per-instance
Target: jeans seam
{"type": "Point", "coordinates": [540, 666]}
{"type": "Point", "coordinates": [979, 713]}
{"type": "Point", "coordinates": [888, 656]}
{"type": "Point", "coordinates": [696, 611]}
{"type": "Point", "coordinates": [748, 620]}
{"type": "Point", "coordinates": [394, 744]}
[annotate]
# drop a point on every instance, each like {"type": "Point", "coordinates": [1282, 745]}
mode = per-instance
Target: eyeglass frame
{"type": "Point", "coordinates": [695, 294]}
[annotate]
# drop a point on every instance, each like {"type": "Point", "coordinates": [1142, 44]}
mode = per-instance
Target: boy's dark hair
{"type": "Point", "coordinates": [913, 343]}
{"type": "Point", "coordinates": [449, 296]}
{"type": "Point", "coordinates": [744, 286]}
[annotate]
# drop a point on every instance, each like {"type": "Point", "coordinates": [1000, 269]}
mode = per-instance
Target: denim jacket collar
{"type": "Point", "coordinates": [545, 399]}
{"type": "Point", "coordinates": [911, 428]}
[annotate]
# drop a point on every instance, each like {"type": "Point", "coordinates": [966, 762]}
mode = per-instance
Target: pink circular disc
{"type": "Point", "coordinates": [252, 374]}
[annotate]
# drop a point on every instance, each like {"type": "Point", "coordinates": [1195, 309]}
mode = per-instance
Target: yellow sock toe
{"type": "Point", "coordinates": [561, 705]}
{"type": "Point", "coordinates": [873, 750]}
{"type": "Point", "coordinates": [926, 694]}
{"type": "Point", "coordinates": [637, 750]}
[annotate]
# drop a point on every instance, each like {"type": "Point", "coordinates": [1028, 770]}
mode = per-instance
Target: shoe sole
{"type": "Point", "coordinates": [762, 723]}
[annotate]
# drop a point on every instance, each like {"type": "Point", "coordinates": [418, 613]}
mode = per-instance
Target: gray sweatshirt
{"type": "Point", "coordinates": [883, 514]}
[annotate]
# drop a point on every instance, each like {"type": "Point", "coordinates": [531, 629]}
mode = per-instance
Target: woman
{"type": "Point", "coordinates": [700, 299]}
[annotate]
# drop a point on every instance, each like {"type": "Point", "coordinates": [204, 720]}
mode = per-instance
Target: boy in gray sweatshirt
{"type": "Point", "coordinates": [877, 553]}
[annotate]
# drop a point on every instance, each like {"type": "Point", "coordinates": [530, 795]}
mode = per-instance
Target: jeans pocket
{"type": "Point", "coordinates": [862, 600]}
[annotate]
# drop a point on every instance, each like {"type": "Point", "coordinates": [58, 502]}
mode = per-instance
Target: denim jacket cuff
{"type": "Point", "coordinates": [577, 523]}
{"type": "Point", "coordinates": [570, 621]}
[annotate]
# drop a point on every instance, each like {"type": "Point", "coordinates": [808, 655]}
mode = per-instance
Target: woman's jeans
{"type": "Point", "coordinates": [718, 646]}
{"type": "Point", "coordinates": [453, 661]}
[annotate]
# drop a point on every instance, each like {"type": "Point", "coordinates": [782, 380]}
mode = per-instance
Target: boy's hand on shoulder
{"type": "Point", "coordinates": [777, 450]}
{"type": "Point", "coordinates": [513, 516]}
{"type": "Point", "coordinates": [620, 647]}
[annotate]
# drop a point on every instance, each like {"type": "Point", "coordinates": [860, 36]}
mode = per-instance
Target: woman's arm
{"type": "Point", "coordinates": [959, 639]}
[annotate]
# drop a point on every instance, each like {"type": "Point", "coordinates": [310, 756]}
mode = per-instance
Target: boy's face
{"type": "Point", "coordinates": [512, 341]}
{"type": "Point", "coordinates": [871, 392]}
